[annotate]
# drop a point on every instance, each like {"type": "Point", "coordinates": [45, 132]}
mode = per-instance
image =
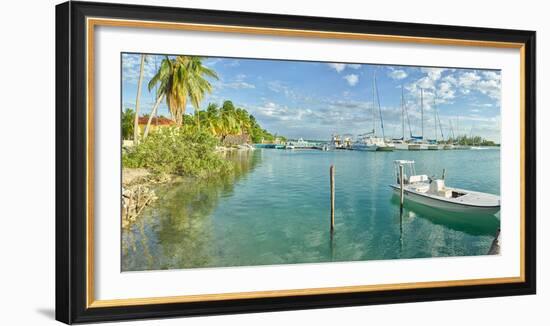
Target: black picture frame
{"type": "Point", "coordinates": [71, 158]}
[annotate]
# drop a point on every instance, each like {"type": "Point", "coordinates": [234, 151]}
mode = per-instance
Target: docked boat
{"type": "Point", "coordinates": [401, 143]}
{"type": "Point", "coordinates": [372, 144]}
{"type": "Point", "coordinates": [370, 141]}
{"type": "Point", "coordinates": [298, 144]}
{"type": "Point", "coordinates": [433, 192]}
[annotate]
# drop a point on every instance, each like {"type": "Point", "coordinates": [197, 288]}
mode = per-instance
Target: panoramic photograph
{"type": "Point", "coordinates": [232, 162]}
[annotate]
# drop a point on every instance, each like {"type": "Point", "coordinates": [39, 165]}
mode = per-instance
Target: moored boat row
{"type": "Point", "coordinates": [371, 141]}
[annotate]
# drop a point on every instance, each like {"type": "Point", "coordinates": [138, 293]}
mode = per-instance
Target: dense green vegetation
{"type": "Point", "coordinates": [472, 141]}
{"type": "Point", "coordinates": [230, 120]}
{"type": "Point", "coordinates": [127, 123]}
{"type": "Point", "coordinates": [189, 146]}
{"type": "Point", "coordinates": [176, 150]}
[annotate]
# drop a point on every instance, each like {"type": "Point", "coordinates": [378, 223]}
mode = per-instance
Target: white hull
{"type": "Point", "coordinates": [491, 204]}
{"type": "Point", "coordinates": [407, 147]}
{"type": "Point", "coordinates": [372, 144]}
{"type": "Point", "coordinates": [386, 148]}
{"type": "Point", "coordinates": [364, 147]}
{"type": "Point", "coordinates": [402, 147]}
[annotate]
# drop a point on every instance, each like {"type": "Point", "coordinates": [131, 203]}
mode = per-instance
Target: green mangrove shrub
{"type": "Point", "coordinates": [177, 150]}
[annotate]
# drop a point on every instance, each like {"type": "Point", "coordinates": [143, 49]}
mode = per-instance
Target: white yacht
{"type": "Point", "coordinates": [369, 143]}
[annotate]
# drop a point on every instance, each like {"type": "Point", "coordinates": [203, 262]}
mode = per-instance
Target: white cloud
{"type": "Point", "coordinates": [491, 75]}
{"type": "Point", "coordinates": [483, 105]}
{"type": "Point", "coordinates": [468, 79]}
{"type": "Point", "coordinates": [445, 92]}
{"type": "Point", "coordinates": [485, 82]}
{"type": "Point", "coordinates": [433, 73]}
{"type": "Point", "coordinates": [352, 79]}
{"type": "Point", "coordinates": [240, 85]}
{"type": "Point", "coordinates": [276, 112]}
{"type": "Point", "coordinates": [425, 82]}
{"type": "Point", "coordinates": [450, 79]}
{"type": "Point", "coordinates": [233, 63]}
{"type": "Point", "coordinates": [339, 67]}
{"type": "Point", "coordinates": [131, 67]}
{"type": "Point", "coordinates": [236, 84]}
{"type": "Point", "coordinates": [397, 74]}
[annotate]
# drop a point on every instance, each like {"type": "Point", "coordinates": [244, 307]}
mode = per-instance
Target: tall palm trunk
{"type": "Point", "coordinates": [198, 113]}
{"type": "Point", "coordinates": [153, 113]}
{"type": "Point", "coordinates": [138, 96]}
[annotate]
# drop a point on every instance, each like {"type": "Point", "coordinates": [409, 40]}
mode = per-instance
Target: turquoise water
{"type": "Point", "coordinates": [275, 209]}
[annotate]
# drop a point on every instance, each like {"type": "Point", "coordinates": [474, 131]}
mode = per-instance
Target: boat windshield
{"type": "Point", "coordinates": [408, 170]}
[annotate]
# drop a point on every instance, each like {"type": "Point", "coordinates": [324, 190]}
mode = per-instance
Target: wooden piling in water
{"type": "Point", "coordinates": [332, 198]}
{"type": "Point", "coordinates": [401, 186]}
{"type": "Point", "coordinates": [495, 245]}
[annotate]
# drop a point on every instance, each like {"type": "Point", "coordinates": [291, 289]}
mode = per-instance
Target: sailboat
{"type": "Point", "coordinates": [419, 140]}
{"type": "Point", "coordinates": [433, 143]}
{"type": "Point", "coordinates": [369, 141]}
{"type": "Point", "coordinates": [401, 143]}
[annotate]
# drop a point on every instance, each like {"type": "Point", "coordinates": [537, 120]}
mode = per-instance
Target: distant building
{"type": "Point", "coordinates": [156, 122]}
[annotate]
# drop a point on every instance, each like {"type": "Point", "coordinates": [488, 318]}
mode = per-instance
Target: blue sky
{"type": "Point", "coordinates": [316, 99]}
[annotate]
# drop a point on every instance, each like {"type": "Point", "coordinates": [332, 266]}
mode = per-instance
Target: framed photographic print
{"type": "Point", "coordinates": [213, 162]}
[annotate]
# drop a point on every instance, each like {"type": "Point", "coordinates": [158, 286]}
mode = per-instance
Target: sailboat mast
{"type": "Point", "coordinates": [422, 111]}
{"type": "Point", "coordinates": [373, 104]}
{"type": "Point", "coordinates": [402, 115]}
{"type": "Point", "coordinates": [379, 108]}
{"type": "Point", "coordinates": [435, 121]}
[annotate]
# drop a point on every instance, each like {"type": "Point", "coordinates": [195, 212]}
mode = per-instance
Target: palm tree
{"type": "Point", "coordinates": [227, 118]}
{"type": "Point", "coordinates": [162, 78]}
{"type": "Point", "coordinates": [185, 79]}
{"type": "Point", "coordinates": [179, 79]}
{"type": "Point", "coordinates": [243, 120]}
{"type": "Point", "coordinates": [138, 96]}
{"type": "Point", "coordinates": [212, 119]}
{"type": "Point", "coordinates": [196, 83]}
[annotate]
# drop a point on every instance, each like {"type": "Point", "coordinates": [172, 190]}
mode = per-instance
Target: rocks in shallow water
{"type": "Point", "coordinates": [134, 199]}
{"type": "Point", "coordinates": [136, 191]}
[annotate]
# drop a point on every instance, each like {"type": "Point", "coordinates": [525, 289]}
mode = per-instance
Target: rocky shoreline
{"type": "Point", "coordinates": [137, 193]}
{"type": "Point", "coordinates": [137, 184]}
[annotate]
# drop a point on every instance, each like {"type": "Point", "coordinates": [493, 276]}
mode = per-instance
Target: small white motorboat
{"type": "Point", "coordinates": [433, 192]}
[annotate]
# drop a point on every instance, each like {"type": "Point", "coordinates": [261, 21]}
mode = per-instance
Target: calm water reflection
{"type": "Point", "coordinates": [275, 210]}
